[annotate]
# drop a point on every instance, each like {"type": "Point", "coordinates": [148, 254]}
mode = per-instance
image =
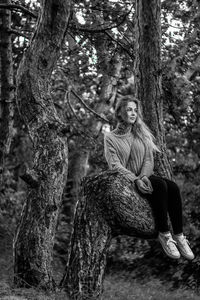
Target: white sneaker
{"type": "Point", "coordinates": [169, 245]}
{"type": "Point", "coordinates": [183, 246]}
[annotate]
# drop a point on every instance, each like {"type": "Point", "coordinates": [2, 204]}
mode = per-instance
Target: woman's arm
{"type": "Point", "coordinates": [114, 161]}
{"type": "Point", "coordinates": [148, 164]}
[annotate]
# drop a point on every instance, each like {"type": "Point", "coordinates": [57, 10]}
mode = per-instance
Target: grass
{"type": "Point", "coordinates": [115, 288]}
{"type": "Point", "coordinates": [118, 286]}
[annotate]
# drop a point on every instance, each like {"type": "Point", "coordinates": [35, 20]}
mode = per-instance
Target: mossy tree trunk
{"type": "Point", "coordinates": [148, 75]}
{"type": "Point", "coordinates": [33, 245]}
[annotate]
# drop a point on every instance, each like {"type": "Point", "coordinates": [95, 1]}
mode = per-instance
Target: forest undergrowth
{"type": "Point", "coordinates": [118, 284]}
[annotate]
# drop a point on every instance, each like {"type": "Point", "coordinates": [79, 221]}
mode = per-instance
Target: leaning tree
{"type": "Point", "coordinates": [33, 245]}
{"type": "Point", "coordinates": [108, 203]}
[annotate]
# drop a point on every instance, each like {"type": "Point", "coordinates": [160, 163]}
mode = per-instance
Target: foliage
{"type": "Point", "coordinates": [81, 67]}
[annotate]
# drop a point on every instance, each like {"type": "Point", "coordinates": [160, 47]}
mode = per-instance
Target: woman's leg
{"type": "Point", "coordinates": [175, 206]}
{"type": "Point", "coordinates": [175, 213]}
{"type": "Point", "coordinates": [166, 199]}
{"type": "Point", "coordinates": [159, 202]}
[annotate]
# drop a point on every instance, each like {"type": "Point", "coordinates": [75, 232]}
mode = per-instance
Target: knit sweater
{"type": "Point", "coordinates": [128, 155]}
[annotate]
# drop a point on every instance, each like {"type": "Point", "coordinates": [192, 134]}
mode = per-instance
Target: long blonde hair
{"type": "Point", "coordinates": [140, 129]}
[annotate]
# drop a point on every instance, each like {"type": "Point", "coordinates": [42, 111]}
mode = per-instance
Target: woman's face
{"type": "Point", "coordinates": [129, 113]}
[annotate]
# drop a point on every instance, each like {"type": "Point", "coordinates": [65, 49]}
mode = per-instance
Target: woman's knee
{"type": "Point", "coordinates": [172, 186]}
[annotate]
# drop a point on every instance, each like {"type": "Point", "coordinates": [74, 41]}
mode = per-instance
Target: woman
{"type": "Point", "coordinates": [129, 149]}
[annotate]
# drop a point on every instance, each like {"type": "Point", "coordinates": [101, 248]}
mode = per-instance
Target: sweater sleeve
{"type": "Point", "coordinates": [148, 164]}
{"type": "Point", "coordinates": [114, 161]}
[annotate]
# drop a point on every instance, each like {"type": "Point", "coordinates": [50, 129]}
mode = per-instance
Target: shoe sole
{"type": "Point", "coordinates": [171, 256]}
{"type": "Point", "coordinates": [185, 256]}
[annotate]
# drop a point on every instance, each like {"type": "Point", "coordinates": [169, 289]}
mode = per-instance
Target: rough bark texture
{"type": "Point", "coordinates": [78, 165]}
{"type": "Point", "coordinates": [108, 206]}
{"type": "Point", "coordinates": [110, 66]}
{"type": "Point", "coordinates": [148, 74]}
{"type": "Point", "coordinates": [6, 82]}
{"type": "Point", "coordinates": [34, 239]}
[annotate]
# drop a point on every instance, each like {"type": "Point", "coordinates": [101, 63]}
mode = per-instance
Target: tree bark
{"type": "Point", "coordinates": [108, 206]}
{"type": "Point", "coordinates": [110, 66]}
{"type": "Point", "coordinates": [148, 71]}
{"type": "Point", "coordinates": [33, 245]}
{"type": "Point", "coordinates": [7, 88]}
{"type": "Point", "coordinates": [78, 165]}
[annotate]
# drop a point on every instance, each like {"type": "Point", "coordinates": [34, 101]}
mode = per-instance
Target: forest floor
{"type": "Point", "coordinates": [118, 286]}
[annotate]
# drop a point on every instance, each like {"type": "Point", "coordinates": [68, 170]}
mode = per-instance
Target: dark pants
{"type": "Point", "coordinates": [166, 200]}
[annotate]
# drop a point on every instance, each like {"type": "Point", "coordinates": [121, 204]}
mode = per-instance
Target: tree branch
{"type": "Point", "coordinates": [195, 67]}
{"type": "Point", "coordinates": [118, 43]}
{"type": "Point", "coordinates": [71, 107]}
{"type": "Point", "coordinates": [87, 107]}
{"type": "Point", "coordinates": [82, 133]}
{"type": "Point", "coordinates": [16, 32]}
{"type": "Point", "coordinates": [92, 30]}
{"type": "Point", "coordinates": [31, 178]}
{"type": "Point", "coordinates": [19, 7]}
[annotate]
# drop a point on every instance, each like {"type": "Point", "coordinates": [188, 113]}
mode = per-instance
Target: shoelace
{"type": "Point", "coordinates": [170, 240]}
{"type": "Point", "coordinates": [184, 240]}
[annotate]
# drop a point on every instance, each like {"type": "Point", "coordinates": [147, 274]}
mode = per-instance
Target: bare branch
{"type": "Point", "coordinates": [103, 28]}
{"type": "Point", "coordinates": [19, 7]}
{"type": "Point", "coordinates": [195, 67]}
{"type": "Point", "coordinates": [116, 41]}
{"type": "Point", "coordinates": [71, 107]}
{"type": "Point", "coordinates": [30, 177]}
{"type": "Point", "coordinates": [88, 108]}
{"type": "Point", "coordinates": [14, 31]}
{"type": "Point", "coordinates": [82, 133]}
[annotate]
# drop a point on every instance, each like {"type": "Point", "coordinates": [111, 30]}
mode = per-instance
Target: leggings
{"type": "Point", "coordinates": [166, 200]}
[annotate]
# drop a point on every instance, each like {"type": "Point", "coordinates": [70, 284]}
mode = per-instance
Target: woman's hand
{"type": "Point", "coordinates": [146, 180]}
{"type": "Point", "coordinates": [143, 187]}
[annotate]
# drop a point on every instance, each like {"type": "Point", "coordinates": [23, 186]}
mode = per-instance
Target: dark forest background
{"type": "Point", "coordinates": [97, 66]}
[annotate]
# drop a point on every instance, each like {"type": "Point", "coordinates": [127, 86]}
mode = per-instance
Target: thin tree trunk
{"type": "Point", "coordinates": [34, 239]}
{"type": "Point", "coordinates": [6, 82]}
{"type": "Point", "coordinates": [110, 66]}
{"type": "Point", "coordinates": [148, 75]}
{"type": "Point", "coordinates": [78, 164]}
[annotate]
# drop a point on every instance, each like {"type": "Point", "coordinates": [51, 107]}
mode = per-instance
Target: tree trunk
{"type": "Point", "coordinates": [110, 66]}
{"type": "Point", "coordinates": [6, 82]}
{"type": "Point", "coordinates": [34, 239]}
{"type": "Point", "coordinates": [148, 75]}
{"type": "Point", "coordinates": [108, 206]}
{"type": "Point", "coordinates": [78, 164]}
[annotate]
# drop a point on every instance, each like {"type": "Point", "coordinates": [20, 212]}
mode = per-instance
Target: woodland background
{"type": "Point", "coordinates": [97, 63]}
